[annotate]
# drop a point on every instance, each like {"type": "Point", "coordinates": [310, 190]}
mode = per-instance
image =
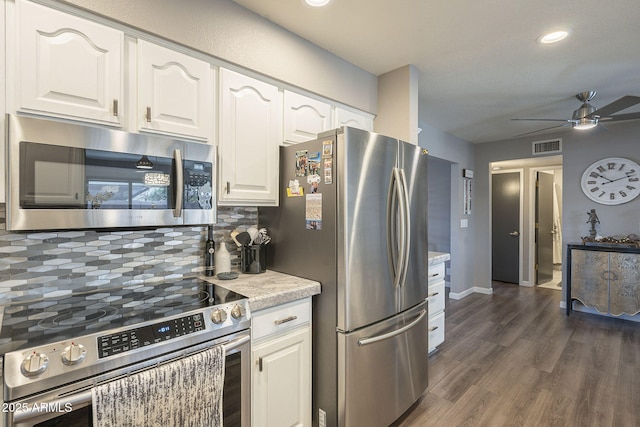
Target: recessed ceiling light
{"type": "Point", "coordinates": [317, 3]}
{"type": "Point", "coordinates": [554, 37]}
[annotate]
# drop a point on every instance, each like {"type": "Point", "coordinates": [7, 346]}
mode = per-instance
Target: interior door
{"type": "Point", "coordinates": [505, 226]}
{"type": "Point", "coordinates": [544, 227]}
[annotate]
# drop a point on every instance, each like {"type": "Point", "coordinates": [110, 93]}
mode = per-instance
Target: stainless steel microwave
{"type": "Point", "coordinates": [70, 176]}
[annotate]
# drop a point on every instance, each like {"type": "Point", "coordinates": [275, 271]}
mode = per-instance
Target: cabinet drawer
{"type": "Point", "coordinates": [281, 318]}
{"type": "Point", "coordinates": [436, 331]}
{"type": "Point", "coordinates": [436, 298]}
{"type": "Point", "coordinates": [436, 272]}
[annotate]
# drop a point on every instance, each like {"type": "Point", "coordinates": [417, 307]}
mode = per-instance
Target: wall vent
{"type": "Point", "coordinates": [548, 146]}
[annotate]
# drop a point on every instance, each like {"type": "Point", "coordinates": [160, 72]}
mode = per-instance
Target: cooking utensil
{"type": "Point", "coordinates": [234, 233]}
{"type": "Point", "coordinates": [253, 232]}
{"type": "Point", "coordinates": [262, 238]}
{"type": "Point", "coordinates": [244, 238]}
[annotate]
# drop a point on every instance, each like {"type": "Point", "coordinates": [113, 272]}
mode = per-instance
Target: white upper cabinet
{"type": "Point", "coordinates": [250, 133]}
{"type": "Point", "coordinates": [304, 118]}
{"type": "Point", "coordinates": [175, 92]}
{"type": "Point", "coordinates": [357, 120]}
{"type": "Point", "coordinates": [68, 66]}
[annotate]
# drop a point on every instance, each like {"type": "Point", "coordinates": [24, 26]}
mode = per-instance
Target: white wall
{"type": "Point", "coordinates": [228, 31]}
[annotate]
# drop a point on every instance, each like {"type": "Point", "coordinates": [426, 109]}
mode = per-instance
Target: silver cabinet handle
{"type": "Point", "coordinates": [115, 108]}
{"type": "Point", "coordinates": [433, 329]}
{"type": "Point", "coordinates": [514, 233]}
{"type": "Point", "coordinates": [434, 275]}
{"type": "Point", "coordinates": [148, 115]}
{"type": "Point", "coordinates": [285, 320]}
{"type": "Point", "coordinates": [433, 294]}
{"type": "Point", "coordinates": [365, 341]}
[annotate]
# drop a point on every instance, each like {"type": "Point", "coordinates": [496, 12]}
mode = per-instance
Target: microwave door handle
{"type": "Point", "coordinates": [177, 157]}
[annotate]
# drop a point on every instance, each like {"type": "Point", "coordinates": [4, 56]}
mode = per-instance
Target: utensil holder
{"type": "Point", "coordinates": [254, 259]}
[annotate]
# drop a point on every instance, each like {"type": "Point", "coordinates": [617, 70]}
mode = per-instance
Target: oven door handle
{"type": "Point", "coordinates": [86, 396]}
{"type": "Point", "coordinates": [20, 415]}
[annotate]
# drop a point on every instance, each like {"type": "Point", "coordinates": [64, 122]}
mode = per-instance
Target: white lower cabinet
{"type": "Point", "coordinates": [436, 305]}
{"type": "Point", "coordinates": [281, 365]}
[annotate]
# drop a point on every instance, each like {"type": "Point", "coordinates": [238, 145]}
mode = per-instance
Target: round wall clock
{"type": "Point", "coordinates": [612, 181]}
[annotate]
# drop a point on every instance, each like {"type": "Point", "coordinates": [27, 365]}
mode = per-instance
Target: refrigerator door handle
{"type": "Point", "coordinates": [405, 228]}
{"type": "Point", "coordinates": [371, 340]}
{"type": "Point", "coordinates": [396, 227]}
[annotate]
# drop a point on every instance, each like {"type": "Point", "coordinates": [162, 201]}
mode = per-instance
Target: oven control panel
{"type": "Point", "coordinates": [120, 342]}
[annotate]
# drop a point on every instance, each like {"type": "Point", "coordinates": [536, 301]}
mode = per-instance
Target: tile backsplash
{"type": "Point", "coordinates": [53, 263]}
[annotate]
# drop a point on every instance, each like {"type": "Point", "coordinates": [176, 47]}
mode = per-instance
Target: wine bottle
{"type": "Point", "coordinates": [209, 250]}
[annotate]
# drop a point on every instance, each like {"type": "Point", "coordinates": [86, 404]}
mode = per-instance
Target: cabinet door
{"type": "Point", "coordinates": [590, 278]}
{"type": "Point", "coordinates": [68, 66]}
{"type": "Point", "coordinates": [250, 129]}
{"type": "Point", "coordinates": [624, 283]}
{"type": "Point", "coordinates": [282, 381]}
{"type": "Point", "coordinates": [304, 118]}
{"type": "Point", "coordinates": [349, 118]}
{"type": "Point", "coordinates": [175, 92]}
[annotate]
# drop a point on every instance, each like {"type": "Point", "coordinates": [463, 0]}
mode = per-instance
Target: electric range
{"type": "Point", "coordinates": [52, 342]}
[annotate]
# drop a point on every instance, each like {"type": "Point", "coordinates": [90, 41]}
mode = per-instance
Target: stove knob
{"type": "Point", "coordinates": [218, 316]}
{"type": "Point", "coordinates": [34, 364]}
{"type": "Point", "coordinates": [236, 312]}
{"type": "Point", "coordinates": [74, 353]}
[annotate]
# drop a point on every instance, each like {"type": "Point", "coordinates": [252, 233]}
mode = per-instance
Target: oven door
{"type": "Point", "coordinates": [70, 406]}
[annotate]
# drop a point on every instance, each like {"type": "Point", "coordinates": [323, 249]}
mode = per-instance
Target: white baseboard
{"type": "Point", "coordinates": [526, 283]}
{"type": "Point", "coordinates": [472, 290]}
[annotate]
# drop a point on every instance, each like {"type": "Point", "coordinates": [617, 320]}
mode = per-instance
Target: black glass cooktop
{"type": "Point", "coordinates": [38, 322]}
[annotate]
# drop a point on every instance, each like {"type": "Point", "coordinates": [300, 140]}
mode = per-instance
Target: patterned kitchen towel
{"type": "Point", "coordinates": [185, 392]}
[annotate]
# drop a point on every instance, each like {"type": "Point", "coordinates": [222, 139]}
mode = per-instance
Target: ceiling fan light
{"type": "Point", "coordinates": [317, 3]}
{"type": "Point", "coordinates": [585, 124]}
{"type": "Point", "coordinates": [554, 37]}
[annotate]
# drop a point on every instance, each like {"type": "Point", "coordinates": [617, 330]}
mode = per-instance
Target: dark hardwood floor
{"type": "Point", "coordinates": [515, 359]}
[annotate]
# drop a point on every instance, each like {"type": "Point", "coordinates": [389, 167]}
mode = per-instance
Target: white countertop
{"type": "Point", "coordinates": [438, 257]}
{"type": "Point", "coordinates": [269, 289]}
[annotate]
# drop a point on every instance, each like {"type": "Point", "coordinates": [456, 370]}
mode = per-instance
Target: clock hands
{"type": "Point", "coordinates": [614, 180]}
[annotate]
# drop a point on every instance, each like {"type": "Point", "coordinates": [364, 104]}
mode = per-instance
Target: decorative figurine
{"type": "Point", "coordinates": [593, 219]}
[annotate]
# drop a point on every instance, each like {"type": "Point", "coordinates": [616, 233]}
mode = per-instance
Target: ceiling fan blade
{"type": "Point", "coordinates": [615, 106]}
{"type": "Point", "coordinates": [549, 120]}
{"type": "Point", "coordinates": [540, 130]}
{"type": "Point", "coordinates": [621, 117]}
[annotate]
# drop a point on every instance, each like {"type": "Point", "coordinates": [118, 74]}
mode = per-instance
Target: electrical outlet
{"type": "Point", "coordinates": [322, 418]}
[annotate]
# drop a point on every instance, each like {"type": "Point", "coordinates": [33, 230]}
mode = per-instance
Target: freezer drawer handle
{"type": "Point", "coordinates": [365, 341]}
{"type": "Point", "coordinates": [285, 320]}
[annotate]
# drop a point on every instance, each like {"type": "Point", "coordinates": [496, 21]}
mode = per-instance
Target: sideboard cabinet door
{"type": "Point", "coordinates": [624, 292]}
{"type": "Point", "coordinates": [590, 279]}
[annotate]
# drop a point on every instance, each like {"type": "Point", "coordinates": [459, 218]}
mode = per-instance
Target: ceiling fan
{"type": "Point", "coordinates": [588, 116]}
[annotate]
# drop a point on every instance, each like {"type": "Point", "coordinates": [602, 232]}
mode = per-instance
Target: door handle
{"type": "Point", "coordinates": [514, 233]}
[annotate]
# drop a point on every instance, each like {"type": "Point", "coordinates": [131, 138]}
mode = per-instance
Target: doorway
{"type": "Point", "coordinates": [505, 226]}
{"type": "Point", "coordinates": [548, 228]}
{"type": "Point", "coordinates": [527, 256]}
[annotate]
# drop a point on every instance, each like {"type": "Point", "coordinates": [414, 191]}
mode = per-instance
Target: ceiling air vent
{"type": "Point", "coordinates": [548, 146]}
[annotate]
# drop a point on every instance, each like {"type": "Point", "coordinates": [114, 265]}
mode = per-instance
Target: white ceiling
{"type": "Point", "coordinates": [479, 62]}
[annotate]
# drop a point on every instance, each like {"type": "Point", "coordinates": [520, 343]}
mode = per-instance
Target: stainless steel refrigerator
{"type": "Point", "coordinates": [353, 216]}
